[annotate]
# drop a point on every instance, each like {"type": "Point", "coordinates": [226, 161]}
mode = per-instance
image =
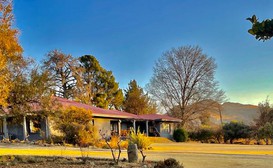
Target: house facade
{"type": "Point", "coordinates": [112, 122]}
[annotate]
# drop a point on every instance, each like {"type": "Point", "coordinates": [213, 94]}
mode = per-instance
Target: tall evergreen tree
{"type": "Point", "coordinates": [97, 86]}
{"type": "Point", "coordinates": [136, 101]}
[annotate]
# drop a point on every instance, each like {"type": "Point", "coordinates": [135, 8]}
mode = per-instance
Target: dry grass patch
{"type": "Point", "coordinates": [160, 140]}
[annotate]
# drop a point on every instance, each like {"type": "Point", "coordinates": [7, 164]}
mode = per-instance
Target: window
{"type": "Point", "coordinates": [166, 127]}
{"type": "Point", "coordinates": [34, 124]}
{"type": "Point", "coordinates": [114, 127]}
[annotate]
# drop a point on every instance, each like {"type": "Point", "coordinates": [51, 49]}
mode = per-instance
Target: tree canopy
{"type": "Point", "coordinates": [236, 130]}
{"type": "Point", "coordinates": [265, 114]}
{"type": "Point", "coordinates": [96, 85]}
{"type": "Point", "coordinates": [10, 50]}
{"type": "Point", "coordinates": [30, 90]}
{"type": "Point", "coordinates": [82, 79]}
{"type": "Point", "coordinates": [261, 30]}
{"type": "Point", "coordinates": [60, 67]}
{"type": "Point", "coordinates": [183, 80]}
{"type": "Point", "coordinates": [136, 101]}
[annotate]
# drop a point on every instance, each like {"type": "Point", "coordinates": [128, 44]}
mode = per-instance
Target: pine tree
{"type": "Point", "coordinates": [97, 86]}
{"type": "Point", "coordinates": [136, 101]}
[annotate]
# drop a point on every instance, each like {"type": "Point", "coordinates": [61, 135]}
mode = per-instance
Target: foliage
{"type": "Point", "coordinates": [97, 86]}
{"type": "Point", "coordinates": [75, 124]}
{"type": "Point", "coordinates": [180, 135]}
{"type": "Point", "coordinates": [30, 92]}
{"type": "Point", "coordinates": [169, 163]}
{"type": "Point", "coordinates": [261, 30]}
{"type": "Point", "coordinates": [61, 66]}
{"type": "Point", "coordinates": [235, 130]}
{"type": "Point", "coordinates": [10, 50]}
{"type": "Point", "coordinates": [136, 101]}
{"type": "Point", "coordinates": [103, 144]}
{"type": "Point", "coordinates": [265, 113]}
{"type": "Point", "coordinates": [206, 135]}
{"type": "Point", "coordinates": [203, 135]}
{"type": "Point", "coordinates": [86, 136]}
{"type": "Point", "coordinates": [266, 132]}
{"type": "Point", "coordinates": [83, 80]}
{"type": "Point", "coordinates": [183, 82]}
{"type": "Point", "coordinates": [141, 140]}
{"type": "Point", "coordinates": [113, 143]}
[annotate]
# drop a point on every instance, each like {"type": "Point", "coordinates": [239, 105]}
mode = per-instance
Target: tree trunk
{"type": "Point", "coordinates": [231, 141]}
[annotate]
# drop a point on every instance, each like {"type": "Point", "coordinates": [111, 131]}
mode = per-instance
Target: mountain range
{"type": "Point", "coordinates": [236, 112]}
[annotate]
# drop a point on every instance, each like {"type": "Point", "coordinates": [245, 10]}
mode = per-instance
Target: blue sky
{"type": "Point", "coordinates": [127, 37]}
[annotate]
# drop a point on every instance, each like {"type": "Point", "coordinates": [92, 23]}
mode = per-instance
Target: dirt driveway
{"type": "Point", "coordinates": [192, 155]}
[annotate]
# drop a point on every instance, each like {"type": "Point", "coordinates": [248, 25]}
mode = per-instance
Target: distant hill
{"type": "Point", "coordinates": [236, 111]}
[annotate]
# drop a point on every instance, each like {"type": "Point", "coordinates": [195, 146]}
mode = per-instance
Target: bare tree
{"type": "Point", "coordinates": [183, 82]}
{"type": "Point", "coordinates": [61, 69]}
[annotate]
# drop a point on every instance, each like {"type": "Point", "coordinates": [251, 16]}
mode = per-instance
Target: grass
{"type": "Point", "coordinates": [156, 147]}
{"type": "Point", "coordinates": [54, 152]}
{"type": "Point", "coordinates": [215, 148]}
{"type": "Point", "coordinates": [192, 155]}
{"type": "Point", "coordinates": [159, 140]}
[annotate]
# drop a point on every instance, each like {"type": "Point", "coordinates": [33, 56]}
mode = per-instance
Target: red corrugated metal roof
{"type": "Point", "coordinates": [158, 117]}
{"type": "Point", "coordinates": [97, 112]}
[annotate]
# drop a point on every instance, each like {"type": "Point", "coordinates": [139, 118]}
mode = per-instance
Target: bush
{"type": "Point", "coordinates": [141, 140]}
{"type": "Point", "coordinates": [86, 136]}
{"type": "Point", "coordinates": [74, 124]}
{"type": "Point", "coordinates": [57, 139]}
{"type": "Point", "coordinates": [203, 135]}
{"type": "Point", "coordinates": [169, 163]}
{"type": "Point", "coordinates": [236, 130]}
{"type": "Point", "coordinates": [180, 135]}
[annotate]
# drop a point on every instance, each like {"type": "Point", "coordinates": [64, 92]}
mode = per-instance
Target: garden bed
{"type": "Point", "coordinates": [72, 162]}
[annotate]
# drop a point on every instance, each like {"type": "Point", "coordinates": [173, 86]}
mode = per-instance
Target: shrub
{"type": "Point", "coordinates": [86, 136]}
{"type": "Point", "coordinates": [266, 132]}
{"type": "Point", "coordinates": [113, 144]}
{"type": "Point", "coordinates": [203, 135]}
{"type": "Point", "coordinates": [141, 140]}
{"type": "Point", "coordinates": [180, 135]}
{"type": "Point", "coordinates": [57, 139]}
{"type": "Point", "coordinates": [75, 125]}
{"type": "Point", "coordinates": [236, 130]}
{"type": "Point", "coordinates": [169, 163]}
{"type": "Point", "coordinates": [124, 133]}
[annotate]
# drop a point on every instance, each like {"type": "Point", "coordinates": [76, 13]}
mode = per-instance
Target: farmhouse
{"type": "Point", "coordinates": [34, 127]}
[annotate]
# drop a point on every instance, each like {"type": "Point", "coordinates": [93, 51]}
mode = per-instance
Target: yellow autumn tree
{"type": "Point", "coordinates": [10, 50]}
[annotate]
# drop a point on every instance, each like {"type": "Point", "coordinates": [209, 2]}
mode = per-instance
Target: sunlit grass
{"type": "Point", "coordinates": [160, 140]}
{"type": "Point", "coordinates": [157, 147]}
{"type": "Point", "coordinates": [55, 152]}
{"type": "Point", "coordinates": [215, 148]}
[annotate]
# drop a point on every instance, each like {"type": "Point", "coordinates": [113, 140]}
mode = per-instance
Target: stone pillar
{"type": "Point", "coordinates": [147, 128]}
{"type": "Point", "coordinates": [134, 125]}
{"type": "Point", "coordinates": [24, 128]}
{"type": "Point", "coordinates": [132, 153]}
{"type": "Point", "coordinates": [119, 127]}
{"type": "Point", "coordinates": [5, 128]}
